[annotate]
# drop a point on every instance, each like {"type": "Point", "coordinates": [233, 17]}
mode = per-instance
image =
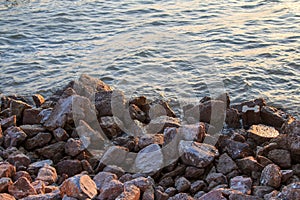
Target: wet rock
{"type": "Point", "coordinates": [69, 167]}
{"type": "Point", "coordinates": [193, 172]}
{"type": "Point", "coordinates": [79, 186]}
{"type": "Point", "coordinates": [280, 157]}
{"type": "Point", "coordinates": [241, 184]}
{"type": "Point", "coordinates": [197, 186]}
{"type": "Point", "coordinates": [52, 151]}
{"type": "Point", "coordinates": [197, 154]}
{"type": "Point", "coordinates": [111, 190]}
{"type": "Point", "coordinates": [260, 191]}
{"type": "Point", "coordinates": [40, 140]}
{"type": "Point", "coordinates": [214, 194]}
{"type": "Point", "coordinates": [232, 118]}
{"type": "Point", "coordinates": [273, 117]}
{"type": "Point", "coordinates": [32, 130]}
{"type": "Point", "coordinates": [60, 134]}
{"type": "Point", "coordinates": [225, 164]}
{"type": "Point", "coordinates": [262, 133]}
{"type": "Point", "coordinates": [7, 170]}
{"type": "Point", "coordinates": [73, 147]}
{"type": "Point", "coordinates": [182, 196]}
{"type": "Point", "coordinates": [158, 124]}
{"type": "Point", "coordinates": [8, 122]}
{"type": "Point", "coordinates": [14, 136]}
{"type": "Point", "coordinates": [19, 160]}
{"type": "Point", "coordinates": [6, 196]}
{"type": "Point", "coordinates": [5, 182]}
{"type": "Point", "coordinates": [34, 167]}
{"type": "Point", "coordinates": [271, 176]}
{"type": "Point", "coordinates": [291, 191]}
{"type": "Point", "coordinates": [103, 177]}
{"type": "Point", "coordinates": [193, 132]}
{"type": "Point", "coordinates": [214, 179]}
{"type": "Point", "coordinates": [17, 108]}
{"type": "Point", "coordinates": [150, 159]}
{"type": "Point", "coordinates": [21, 188]}
{"type": "Point", "coordinates": [149, 139]}
{"type": "Point", "coordinates": [31, 116]}
{"type": "Point", "coordinates": [22, 174]}
{"type": "Point", "coordinates": [47, 174]}
{"type": "Point", "coordinates": [248, 165]}
{"type": "Point", "coordinates": [38, 99]}
{"type": "Point", "coordinates": [182, 184]}
{"type": "Point", "coordinates": [131, 192]}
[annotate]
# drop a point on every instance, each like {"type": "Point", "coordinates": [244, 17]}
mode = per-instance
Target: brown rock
{"type": "Point", "coordinates": [115, 170]}
{"type": "Point", "coordinates": [291, 191]}
{"type": "Point", "coordinates": [34, 168]}
{"type": "Point", "coordinates": [48, 196]}
{"type": "Point", "coordinates": [32, 130]}
{"type": "Point", "coordinates": [5, 196]}
{"type": "Point", "coordinates": [7, 170]}
{"type": "Point", "coordinates": [225, 164]}
{"type": "Point", "coordinates": [22, 174]}
{"type": "Point", "coordinates": [215, 179]}
{"type": "Point", "coordinates": [86, 166]}
{"type": "Point", "coordinates": [193, 132]}
{"type": "Point", "coordinates": [260, 191]}
{"type": "Point", "coordinates": [103, 103]}
{"type": "Point", "coordinates": [149, 139]}
{"type": "Point", "coordinates": [197, 154]}
{"type": "Point", "coordinates": [136, 113]}
{"type": "Point", "coordinates": [241, 184]}
{"type": "Point", "coordinates": [142, 183]}
{"type": "Point", "coordinates": [110, 127]}
{"type": "Point", "coordinates": [197, 186]}
{"type": "Point", "coordinates": [158, 124]}
{"type": "Point", "coordinates": [271, 176]}
{"type": "Point", "coordinates": [31, 116]}
{"type": "Point", "coordinates": [248, 165]}
{"type": "Point", "coordinates": [73, 147]}
{"type": "Point", "coordinates": [60, 134]}
{"type": "Point", "coordinates": [5, 182]}
{"type": "Point", "coordinates": [262, 133]}
{"type": "Point", "coordinates": [280, 157]}
{"type": "Point", "coordinates": [39, 186]}
{"type": "Point", "coordinates": [17, 108]}
{"type": "Point", "coordinates": [111, 190]}
{"type": "Point", "coordinates": [8, 122]}
{"type": "Point", "coordinates": [21, 188]}
{"type": "Point", "coordinates": [166, 182]}
{"type": "Point", "coordinates": [131, 192]}
{"type": "Point", "coordinates": [47, 174]}
{"type": "Point", "coordinates": [273, 117]}
{"type": "Point", "coordinates": [14, 136]}
{"type": "Point", "coordinates": [79, 186]}
{"type": "Point", "coordinates": [232, 118]}
{"type": "Point", "coordinates": [182, 184]}
{"type": "Point", "coordinates": [39, 140]}
{"type": "Point", "coordinates": [1, 136]}
{"type": "Point", "coordinates": [235, 149]}
{"type": "Point", "coordinates": [238, 196]}
{"type": "Point", "coordinates": [182, 196]}
{"type": "Point", "coordinates": [263, 161]}
{"type": "Point", "coordinates": [160, 195]}
{"type": "Point", "coordinates": [69, 167]}
{"type": "Point", "coordinates": [193, 172]}
{"type": "Point", "coordinates": [214, 194]}
{"type": "Point", "coordinates": [286, 175]}
{"type": "Point", "coordinates": [115, 155]}
{"type": "Point", "coordinates": [104, 177]}
{"type": "Point", "coordinates": [19, 160]}
{"type": "Point", "coordinates": [53, 150]}
{"type": "Point", "coordinates": [149, 194]}
{"type": "Point", "coordinates": [38, 99]}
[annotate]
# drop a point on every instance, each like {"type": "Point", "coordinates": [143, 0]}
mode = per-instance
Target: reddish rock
{"type": "Point", "coordinates": [111, 190]}
{"type": "Point", "coordinates": [86, 166]}
{"type": "Point", "coordinates": [110, 127]}
{"type": "Point", "coordinates": [271, 176]}
{"type": "Point", "coordinates": [22, 174]}
{"type": "Point", "coordinates": [21, 188]}
{"type": "Point", "coordinates": [241, 184]}
{"type": "Point", "coordinates": [142, 183]}
{"type": "Point", "coordinates": [197, 154]}
{"type": "Point", "coordinates": [181, 196]}
{"type": "Point", "coordinates": [34, 168]}
{"type": "Point", "coordinates": [193, 172]}
{"type": "Point", "coordinates": [235, 149]}
{"type": "Point", "coordinates": [232, 118]}
{"type": "Point", "coordinates": [263, 160]}
{"type": "Point", "coordinates": [160, 195]}
{"type": "Point", "coordinates": [215, 179]}
{"type": "Point", "coordinates": [5, 196]}
{"type": "Point", "coordinates": [19, 160]}
{"type": "Point", "coordinates": [149, 139]}
{"type": "Point", "coordinates": [193, 132]}
{"type": "Point", "coordinates": [60, 134]}
{"type": "Point", "coordinates": [32, 130]}
{"type": "Point", "coordinates": [39, 140]}
{"type": "Point", "coordinates": [104, 177]}
{"type": "Point", "coordinates": [8, 122]}
{"type": "Point", "coordinates": [79, 186]}
{"type": "Point", "coordinates": [273, 117]}
{"type": "Point", "coordinates": [131, 192]}
{"type": "Point", "coordinates": [53, 150]}
{"type": "Point", "coordinates": [48, 196]}
{"type": "Point", "coordinates": [291, 191]}
{"type": "Point", "coordinates": [31, 116]}
{"type": "Point", "coordinates": [214, 194]}
{"type": "Point", "coordinates": [1, 136]}
{"type": "Point", "coordinates": [280, 157]}
{"type": "Point", "coordinates": [248, 165]}
{"type": "Point", "coordinates": [38, 99]}
{"type": "Point", "coordinates": [103, 103]}
{"type": "Point", "coordinates": [73, 147]}
{"type": "Point", "coordinates": [238, 196]}
{"type": "Point", "coordinates": [261, 191]}
{"type": "Point", "coordinates": [17, 108]}
{"type": "Point", "coordinates": [47, 174]}
{"type": "Point", "coordinates": [14, 136]}
{"type": "Point", "coordinates": [7, 170]}
{"type": "Point", "coordinates": [262, 133]}
{"type": "Point", "coordinates": [225, 164]}
{"type": "Point", "coordinates": [5, 182]}
{"type": "Point", "coordinates": [137, 114]}
{"type": "Point", "coordinates": [39, 186]}
{"type": "Point", "coordinates": [69, 167]}
{"type": "Point", "coordinates": [182, 184]}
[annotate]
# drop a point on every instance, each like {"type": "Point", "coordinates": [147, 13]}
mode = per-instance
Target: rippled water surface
{"type": "Point", "coordinates": [173, 49]}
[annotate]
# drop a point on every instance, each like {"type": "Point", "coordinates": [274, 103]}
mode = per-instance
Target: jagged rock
{"type": "Point", "coordinates": [214, 194]}
{"type": "Point", "coordinates": [52, 151]}
{"type": "Point", "coordinates": [136, 113]}
{"type": "Point", "coordinates": [149, 194]}
{"type": "Point", "coordinates": [69, 167]}
{"type": "Point", "coordinates": [38, 99]}
{"type": "Point", "coordinates": [39, 186]}
{"type": "Point", "coordinates": [73, 147]}
{"type": "Point", "coordinates": [35, 167]}
{"type": "Point", "coordinates": [8, 122]}
{"type": "Point", "coordinates": [263, 160]}
{"type": "Point", "coordinates": [22, 174]}
{"type": "Point", "coordinates": [111, 190]}
{"type": "Point", "coordinates": [149, 139]}
{"type": "Point", "coordinates": [103, 103]}
{"type": "Point", "coordinates": [45, 115]}
{"type": "Point", "coordinates": [225, 164]}
{"type": "Point", "coordinates": [262, 133]}
{"type": "Point", "coordinates": [115, 170]}
{"type": "Point", "coordinates": [7, 170]}
{"type": "Point", "coordinates": [193, 132]}
{"type": "Point", "coordinates": [150, 159]}
{"type": "Point", "coordinates": [47, 174]}
{"type": "Point", "coordinates": [142, 183]}
{"type": "Point", "coordinates": [181, 196]}
{"type": "Point", "coordinates": [166, 182]}
{"type": "Point", "coordinates": [31, 116]}
{"type": "Point", "coordinates": [291, 191]}
{"type": "Point", "coordinates": [286, 175]}
{"type": "Point", "coordinates": [48, 196]}
{"type": "Point", "coordinates": [14, 136]}
{"type": "Point", "coordinates": [32, 130]}
{"type": "Point", "coordinates": [241, 184]}
{"type": "Point", "coordinates": [232, 118]}
{"type": "Point", "coordinates": [17, 108]}
{"type": "Point", "coordinates": [39, 140]}
{"type": "Point", "coordinates": [5, 182]}
{"type": "Point", "coordinates": [104, 177]}
{"type": "Point", "coordinates": [192, 172]}
{"type": "Point", "coordinates": [160, 195]}
{"type": "Point", "coordinates": [131, 192]}
{"type": "Point", "coordinates": [238, 196]}
{"type": "Point", "coordinates": [260, 191]}
{"type": "Point", "coordinates": [235, 150]}
{"type": "Point", "coordinates": [271, 176]}
{"type": "Point", "coordinates": [273, 117]}
{"type": "Point", "coordinates": [79, 186]}
{"type": "Point", "coordinates": [215, 179]}
{"type": "Point", "coordinates": [197, 186]}
{"type": "Point", "coordinates": [60, 134]}
{"type": "Point", "coordinates": [248, 165]}
{"type": "Point", "coordinates": [19, 160]}
{"type": "Point", "coordinates": [280, 157]}
{"type": "Point", "coordinates": [110, 127]}
{"type": "Point", "coordinates": [21, 188]}
{"type": "Point", "coordinates": [197, 154]}
{"type": "Point", "coordinates": [5, 196]}
{"type": "Point", "coordinates": [182, 184]}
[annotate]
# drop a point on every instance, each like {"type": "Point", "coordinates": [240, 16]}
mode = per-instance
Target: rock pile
{"type": "Point", "coordinates": [75, 145]}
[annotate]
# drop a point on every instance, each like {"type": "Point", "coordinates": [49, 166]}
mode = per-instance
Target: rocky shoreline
{"type": "Point", "coordinates": [70, 146]}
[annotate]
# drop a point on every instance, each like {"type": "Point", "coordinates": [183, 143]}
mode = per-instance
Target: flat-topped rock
{"type": "Point", "coordinates": [262, 133]}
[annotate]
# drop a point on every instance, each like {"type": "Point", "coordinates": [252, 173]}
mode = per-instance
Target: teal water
{"type": "Point", "coordinates": [155, 48]}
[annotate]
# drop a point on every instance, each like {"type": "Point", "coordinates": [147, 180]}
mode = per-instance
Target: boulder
{"type": "Point", "coordinates": [261, 191]}
{"type": "Point", "coordinates": [79, 186]}
{"type": "Point", "coordinates": [215, 179]}
{"type": "Point", "coordinates": [197, 186]}
{"type": "Point", "coordinates": [273, 117]}
{"type": "Point", "coordinates": [235, 149]}
{"type": "Point", "coordinates": [21, 188]}
{"type": "Point", "coordinates": [262, 133]}
{"type": "Point", "coordinates": [197, 154]}
{"type": "Point", "coordinates": [271, 176]}
{"type": "Point", "coordinates": [192, 172]}
{"type": "Point", "coordinates": [142, 183]}
{"type": "Point", "coordinates": [232, 118]}
{"type": "Point", "coordinates": [214, 194]}
{"type": "Point", "coordinates": [193, 132]}
{"type": "Point", "coordinates": [17, 108]}
{"type": "Point", "coordinates": [103, 103]}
